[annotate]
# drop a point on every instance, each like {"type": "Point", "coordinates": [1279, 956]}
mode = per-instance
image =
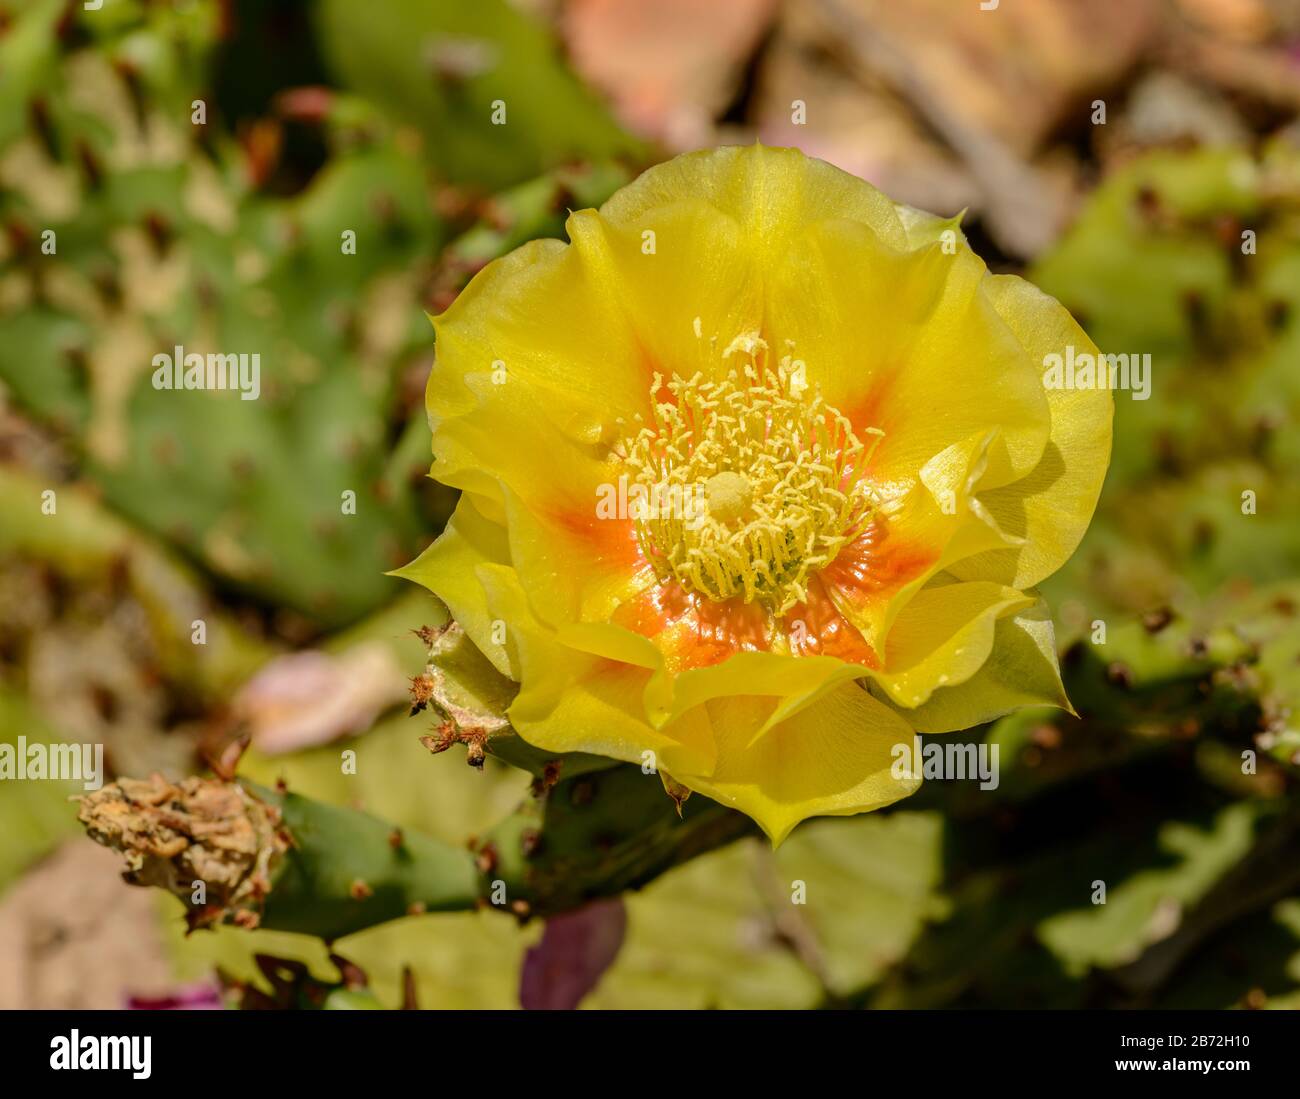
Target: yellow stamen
{"type": "Point", "coordinates": [767, 476]}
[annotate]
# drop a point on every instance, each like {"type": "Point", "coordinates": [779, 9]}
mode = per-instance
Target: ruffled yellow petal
{"type": "Point", "coordinates": [494, 446]}
{"type": "Point", "coordinates": [936, 524]}
{"type": "Point", "coordinates": [833, 758]}
{"type": "Point", "coordinates": [942, 637]}
{"type": "Point", "coordinates": [581, 705]}
{"type": "Point", "coordinates": [1021, 671]}
{"type": "Point", "coordinates": [450, 569]}
{"type": "Point", "coordinates": [773, 194]}
{"type": "Point", "coordinates": [679, 686]}
{"type": "Point", "coordinates": [909, 343]}
{"type": "Point", "coordinates": [793, 683]}
{"type": "Point", "coordinates": [683, 278]}
{"type": "Point", "coordinates": [1052, 506]}
{"type": "Point", "coordinates": [545, 317]}
{"type": "Point", "coordinates": [921, 227]}
{"type": "Point", "coordinates": [571, 701]}
{"type": "Point", "coordinates": [576, 565]}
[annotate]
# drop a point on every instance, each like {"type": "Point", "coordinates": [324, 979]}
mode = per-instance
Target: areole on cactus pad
{"type": "Point", "coordinates": [758, 473]}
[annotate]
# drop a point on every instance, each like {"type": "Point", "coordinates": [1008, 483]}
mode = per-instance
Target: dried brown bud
{"type": "Point", "coordinates": [200, 830]}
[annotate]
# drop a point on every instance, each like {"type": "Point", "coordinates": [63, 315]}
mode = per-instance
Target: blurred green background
{"type": "Point", "coordinates": [177, 173]}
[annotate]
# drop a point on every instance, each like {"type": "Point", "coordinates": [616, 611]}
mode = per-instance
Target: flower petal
{"type": "Point", "coordinates": [833, 758]}
{"type": "Point", "coordinates": [794, 683]}
{"type": "Point", "coordinates": [943, 636]}
{"type": "Point", "coordinates": [575, 565]}
{"type": "Point", "coordinates": [936, 524]}
{"type": "Point", "coordinates": [773, 194]}
{"type": "Point", "coordinates": [552, 321]}
{"type": "Point", "coordinates": [683, 276]}
{"type": "Point", "coordinates": [1021, 671]}
{"type": "Point", "coordinates": [449, 569]}
{"type": "Point", "coordinates": [1051, 507]}
{"type": "Point", "coordinates": [572, 701]}
{"type": "Point", "coordinates": [495, 444]}
{"type": "Point", "coordinates": [909, 343]}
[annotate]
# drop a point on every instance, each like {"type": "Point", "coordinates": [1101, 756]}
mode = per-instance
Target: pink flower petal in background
{"type": "Point", "coordinates": [669, 67]}
{"type": "Point", "coordinates": [575, 950]}
{"type": "Point", "coordinates": [313, 697]}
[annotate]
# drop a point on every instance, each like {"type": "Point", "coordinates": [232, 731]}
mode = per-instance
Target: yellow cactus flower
{"type": "Point", "coordinates": [758, 473]}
